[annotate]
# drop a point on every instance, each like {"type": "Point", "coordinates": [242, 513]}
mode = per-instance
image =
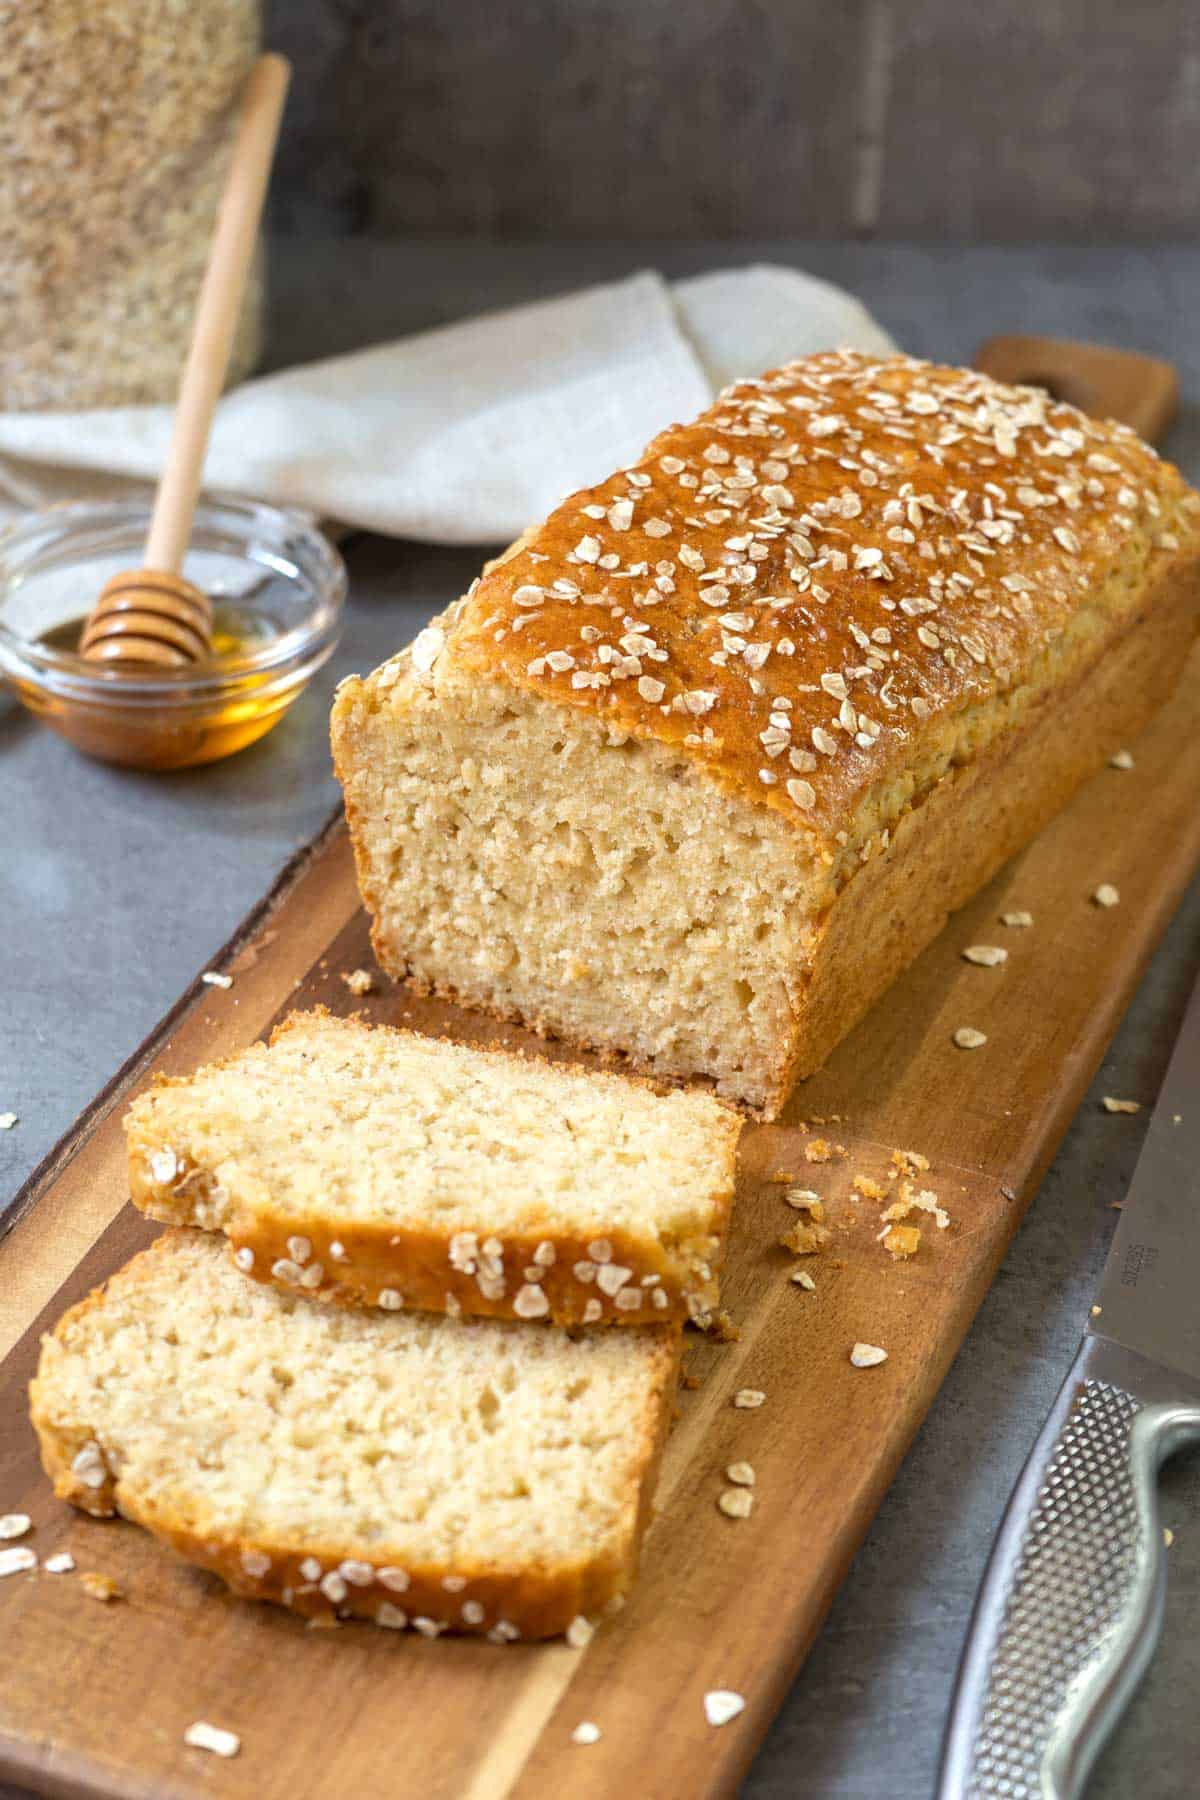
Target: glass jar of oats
{"type": "Point", "coordinates": [115, 122]}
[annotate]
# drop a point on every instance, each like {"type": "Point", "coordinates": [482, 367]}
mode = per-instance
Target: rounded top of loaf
{"type": "Point", "coordinates": [795, 589]}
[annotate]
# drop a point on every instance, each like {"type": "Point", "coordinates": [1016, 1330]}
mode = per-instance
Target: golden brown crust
{"type": "Point", "coordinates": [505, 1604]}
{"type": "Point", "coordinates": [974, 521]}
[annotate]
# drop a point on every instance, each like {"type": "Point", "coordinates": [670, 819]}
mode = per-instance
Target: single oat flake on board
{"type": "Point", "coordinates": [203, 1736]}
{"type": "Point", "coordinates": [1016, 921]}
{"type": "Point", "coordinates": [968, 1038]}
{"type": "Point", "coordinates": [867, 1356]}
{"type": "Point", "coordinates": [721, 1705]}
{"type": "Point", "coordinates": [1106, 895]}
{"type": "Point", "coordinates": [749, 1398]}
{"type": "Point", "coordinates": [1120, 1106]}
{"type": "Point", "coordinates": [586, 1732]}
{"type": "Point", "coordinates": [987, 956]}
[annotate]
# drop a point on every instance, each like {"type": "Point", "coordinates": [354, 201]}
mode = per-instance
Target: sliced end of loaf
{"type": "Point", "coordinates": [524, 858]}
{"type": "Point", "coordinates": [381, 1168]}
{"type": "Point", "coordinates": [479, 1477]}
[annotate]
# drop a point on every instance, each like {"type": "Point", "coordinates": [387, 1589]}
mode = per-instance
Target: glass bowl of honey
{"type": "Point", "coordinates": [277, 587]}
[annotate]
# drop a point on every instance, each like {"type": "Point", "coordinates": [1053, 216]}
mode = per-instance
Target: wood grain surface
{"type": "Point", "coordinates": [927, 119]}
{"type": "Point", "coordinates": [95, 1698]}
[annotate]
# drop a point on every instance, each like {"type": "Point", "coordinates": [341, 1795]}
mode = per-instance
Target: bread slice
{"type": "Point", "coordinates": [383, 1168]}
{"type": "Point", "coordinates": [707, 759]}
{"type": "Point", "coordinates": [475, 1476]}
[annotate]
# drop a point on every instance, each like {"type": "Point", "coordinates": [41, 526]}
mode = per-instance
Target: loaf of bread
{"type": "Point", "coordinates": [387, 1169]}
{"type": "Point", "coordinates": [707, 759]}
{"type": "Point", "coordinates": [475, 1476]}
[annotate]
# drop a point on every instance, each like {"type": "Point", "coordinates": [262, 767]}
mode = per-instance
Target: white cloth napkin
{"type": "Point", "coordinates": [464, 434]}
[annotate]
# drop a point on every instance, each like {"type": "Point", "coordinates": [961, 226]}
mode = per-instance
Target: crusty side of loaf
{"type": "Point", "coordinates": [983, 813]}
{"type": "Point", "coordinates": [157, 1470]}
{"type": "Point", "coordinates": [629, 788]}
{"type": "Point", "coordinates": [373, 1167]}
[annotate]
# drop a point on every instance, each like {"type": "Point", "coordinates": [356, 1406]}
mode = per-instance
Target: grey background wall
{"type": "Point", "coordinates": [1003, 120]}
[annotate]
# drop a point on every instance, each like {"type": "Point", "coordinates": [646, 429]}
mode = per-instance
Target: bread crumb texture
{"type": "Point", "coordinates": [387, 1169]}
{"type": "Point", "coordinates": [624, 789]}
{"type": "Point", "coordinates": [476, 1476]}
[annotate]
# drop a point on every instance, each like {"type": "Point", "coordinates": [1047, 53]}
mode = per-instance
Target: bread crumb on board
{"type": "Point", "coordinates": [1106, 895]}
{"type": "Point", "coordinates": [61, 1563]}
{"type": "Point", "coordinates": [100, 1587]}
{"type": "Point", "coordinates": [359, 981]}
{"type": "Point", "coordinates": [1121, 759]}
{"type": "Point", "coordinates": [805, 1240]}
{"type": "Point", "coordinates": [901, 1241]}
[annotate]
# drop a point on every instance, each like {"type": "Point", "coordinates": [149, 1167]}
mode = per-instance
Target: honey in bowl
{"type": "Point", "coordinates": [277, 588]}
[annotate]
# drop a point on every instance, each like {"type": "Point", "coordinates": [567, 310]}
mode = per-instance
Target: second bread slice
{"type": "Point", "coordinates": [386, 1169]}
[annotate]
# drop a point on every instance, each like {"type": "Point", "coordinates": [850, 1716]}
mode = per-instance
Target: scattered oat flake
{"type": "Point", "coordinates": [867, 1356]}
{"type": "Point", "coordinates": [749, 1398]}
{"type": "Point", "coordinates": [586, 1733]}
{"type": "Point", "coordinates": [736, 1503]}
{"type": "Point", "coordinates": [359, 981]}
{"type": "Point", "coordinates": [7, 1121]}
{"type": "Point", "coordinates": [805, 1200]}
{"type": "Point", "coordinates": [1121, 759]}
{"type": "Point", "coordinates": [1168, 1536]}
{"type": "Point", "coordinates": [100, 1587]}
{"type": "Point", "coordinates": [14, 1525]}
{"type": "Point", "coordinates": [203, 1736]}
{"type": "Point", "coordinates": [967, 1038]}
{"type": "Point", "coordinates": [1120, 1106]}
{"type": "Point", "coordinates": [1106, 895]}
{"type": "Point", "coordinates": [721, 1705]}
{"type": "Point", "coordinates": [61, 1563]}
{"type": "Point", "coordinates": [741, 1474]}
{"type": "Point", "coordinates": [16, 1560]}
{"type": "Point", "coordinates": [1016, 921]}
{"type": "Point", "coordinates": [580, 1632]}
{"type": "Point", "coordinates": [213, 978]}
{"type": "Point", "coordinates": [802, 1278]}
{"type": "Point", "coordinates": [988, 956]}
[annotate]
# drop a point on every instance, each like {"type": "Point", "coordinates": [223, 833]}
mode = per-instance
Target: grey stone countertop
{"type": "Point", "coordinates": [116, 887]}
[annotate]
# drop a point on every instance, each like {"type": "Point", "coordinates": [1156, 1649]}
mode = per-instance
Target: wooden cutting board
{"type": "Point", "coordinates": [95, 1698]}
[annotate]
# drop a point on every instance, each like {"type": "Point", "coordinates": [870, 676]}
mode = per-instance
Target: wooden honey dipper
{"type": "Point", "coordinates": [152, 615]}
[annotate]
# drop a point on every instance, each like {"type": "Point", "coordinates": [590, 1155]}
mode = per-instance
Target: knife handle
{"type": "Point", "coordinates": [1072, 1601]}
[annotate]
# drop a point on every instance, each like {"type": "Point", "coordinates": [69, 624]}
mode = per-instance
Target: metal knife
{"type": "Point", "coordinates": [1072, 1601]}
